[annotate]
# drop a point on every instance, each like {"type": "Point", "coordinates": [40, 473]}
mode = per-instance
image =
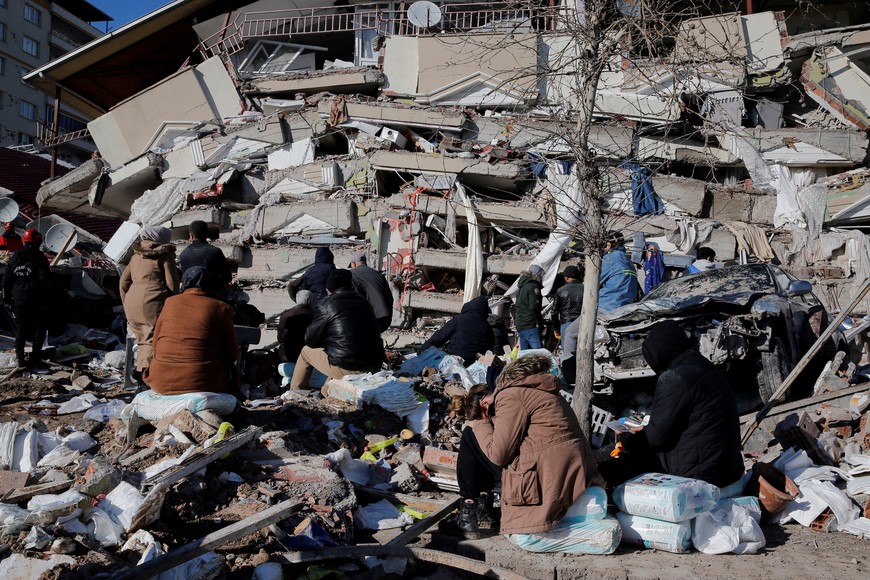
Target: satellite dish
{"type": "Point", "coordinates": [57, 235]}
{"type": "Point", "coordinates": [8, 209]}
{"type": "Point", "coordinates": [424, 14]}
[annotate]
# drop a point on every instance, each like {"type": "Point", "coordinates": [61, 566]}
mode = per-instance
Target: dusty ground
{"type": "Point", "coordinates": [792, 551]}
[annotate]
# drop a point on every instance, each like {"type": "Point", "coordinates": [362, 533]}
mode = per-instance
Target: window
{"type": "Point", "coordinates": [2, 3]}
{"type": "Point", "coordinates": [2, 66]}
{"type": "Point", "coordinates": [2, 32]}
{"type": "Point", "coordinates": [30, 46]}
{"type": "Point", "coordinates": [24, 73]}
{"type": "Point", "coordinates": [25, 139]}
{"type": "Point", "coordinates": [31, 14]}
{"type": "Point", "coordinates": [27, 110]}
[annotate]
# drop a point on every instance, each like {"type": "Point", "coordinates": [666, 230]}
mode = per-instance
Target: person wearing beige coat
{"type": "Point", "coordinates": [149, 279]}
{"type": "Point", "coordinates": [529, 431]}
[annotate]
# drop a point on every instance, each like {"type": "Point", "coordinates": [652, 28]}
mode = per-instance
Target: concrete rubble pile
{"type": "Point", "coordinates": [351, 133]}
{"type": "Point", "coordinates": [287, 145]}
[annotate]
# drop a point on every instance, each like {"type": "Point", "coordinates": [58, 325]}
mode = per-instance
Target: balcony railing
{"type": "Point", "coordinates": [295, 22]}
{"type": "Point", "coordinates": [45, 135]}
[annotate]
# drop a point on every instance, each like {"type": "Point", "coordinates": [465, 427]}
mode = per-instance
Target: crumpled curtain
{"type": "Point", "coordinates": [751, 238]}
{"type": "Point", "coordinates": [643, 195]}
{"type": "Point", "coordinates": [474, 251]}
{"type": "Point", "coordinates": [653, 267]}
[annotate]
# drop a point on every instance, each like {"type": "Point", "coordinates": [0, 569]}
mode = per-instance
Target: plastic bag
{"type": "Point", "coordinates": [732, 526]}
{"type": "Point", "coordinates": [152, 407]}
{"type": "Point", "coordinates": [352, 469]}
{"type": "Point", "coordinates": [103, 528]}
{"type": "Point", "coordinates": [584, 529]}
{"type": "Point", "coordinates": [381, 516]}
{"type": "Point", "coordinates": [452, 365]}
{"type": "Point", "coordinates": [60, 456]}
{"type": "Point", "coordinates": [105, 412]}
{"type": "Point", "coordinates": [78, 404]}
{"type": "Point", "coordinates": [665, 497]}
{"type": "Point", "coordinates": [656, 534]}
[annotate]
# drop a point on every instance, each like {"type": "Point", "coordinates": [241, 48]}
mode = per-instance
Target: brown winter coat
{"type": "Point", "coordinates": [150, 278]}
{"type": "Point", "coordinates": [195, 347]}
{"type": "Point", "coordinates": [536, 438]}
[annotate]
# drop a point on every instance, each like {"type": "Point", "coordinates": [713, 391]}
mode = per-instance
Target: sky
{"type": "Point", "coordinates": [124, 11]}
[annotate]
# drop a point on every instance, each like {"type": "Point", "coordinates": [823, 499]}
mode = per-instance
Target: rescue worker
{"type": "Point", "coordinates": [618, 281]}
{"type": "Point", "coordinates": [24, 287]}
{"type": "Point", "coordinates": [10, 240]}
{"type": "Point", "coordinates": [529, 311]}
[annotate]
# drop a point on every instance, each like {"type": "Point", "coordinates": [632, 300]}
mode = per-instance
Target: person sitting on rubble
{"type": "Point", "coordinates": [529, 317]}
{"type": "Point", "coordinates": [292, 326]}
{"type": "Point", "coordinates": [10, 241]}
{"type": "Point", "coordinates": [148, 280]}
{"type": "Point", "coordinates": [373, 286]}
{"type": "Point", "coordinates": [704, 260]}
{"type": "Point", "coordinates": [200, 253]}
{"type": "Point", "coordinates": [194, 348]}
{"type": "Point", "coordinates": [25, 284]}
{"type": "Point", "coordinates": [466, 335]}
{"type": "Point", "coordinates": [525, 428]}
{"type": "Point", "coordinates": [694, 428]}
{"type": "Point", "coordinates": [314, 278]}
{"type": "Point", "coordinates": [618, 280]}
{"type": "Point", "coordinates": [343, 339]}
{"type": "Point", "coordinates": [569, 299]}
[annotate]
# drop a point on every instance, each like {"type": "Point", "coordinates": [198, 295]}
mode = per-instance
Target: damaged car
{"type": "Point", "coordinates": [754, 320]}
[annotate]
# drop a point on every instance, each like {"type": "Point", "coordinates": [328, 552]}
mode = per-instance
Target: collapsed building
{"type": "Point", "coordinates": [366, 125]}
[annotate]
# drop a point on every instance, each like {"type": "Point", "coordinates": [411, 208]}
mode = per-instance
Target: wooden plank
{"type": "Point", "coordinates": [11, 480]}
{"type": "Point", "coordinates": [209, 542]}
{"type": "Point", "coordinates": [423, 554]}
{"type": "Point", "coordinates": [803, 404]}
{"type": "Point", "coordinates": [28, 492]}
{"type": "Point", "coordinates": [418, 503]}
{"type": "Point", "coordinates": [203, 457]}
{"type": "Point", "coordinates": [421, 526]}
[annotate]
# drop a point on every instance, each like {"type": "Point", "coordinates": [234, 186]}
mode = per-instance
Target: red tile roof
{"type": "Point", "coordinates": [22, 173]}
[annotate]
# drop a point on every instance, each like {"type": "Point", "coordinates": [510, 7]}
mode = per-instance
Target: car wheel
{"type": "Point", "coordinates": [775, 367]}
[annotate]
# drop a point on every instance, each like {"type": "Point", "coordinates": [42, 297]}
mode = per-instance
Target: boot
{"type": "Point", "coordinates": [465, 523]}
{"type": "Point", "coordinates": [488, 517]}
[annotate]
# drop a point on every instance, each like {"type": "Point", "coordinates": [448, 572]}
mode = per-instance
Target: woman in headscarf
{"type": "Point", "coordinates": [195, 347]}
{"type": "Point", "coordinates": [150, 278]}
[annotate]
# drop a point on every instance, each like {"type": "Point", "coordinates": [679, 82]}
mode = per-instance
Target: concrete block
{"type": "Point", "coordinates": [730, 205]}
{"type": "Point", "coordinates": [763, 208]}
{"type": "Point", "coordinates": [340, 214]}
{"type": "Point", "coordinates": [723, 243]}
{"type": "Point", "coordinates": [391, 114]}
{"type": "Point", "coordinates": [503, 214]}
{"type": "Point", "coordinates": [127, 184]}
{"type": "Point", "coordinates": [208, 214]}
{"type": "Point", "coordinates": [342, 81]}
{"type": "Point", "coordinates": [687, 194]}
{"type": "Point", "coordinates": [69, 192]}
{"type": "Point", "coordinates": [435, 301]}
{"type": "Point", "coordinates": [190, 96]}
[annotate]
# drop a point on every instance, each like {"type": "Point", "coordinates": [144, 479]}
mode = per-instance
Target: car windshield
{"type": "Point", "coordinates": [750, 279]}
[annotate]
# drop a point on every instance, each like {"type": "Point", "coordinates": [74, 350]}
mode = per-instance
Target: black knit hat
{"type": "Point", "coordinates": [339, 279]}
{"type": "Point", "coordinates": [572, 271]}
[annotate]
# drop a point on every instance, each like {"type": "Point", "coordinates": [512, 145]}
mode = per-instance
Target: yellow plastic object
{"type": "Point", "coordinates": [71, 349]}
{"type": "Point", "coordinates": [515, 352]}
{"type": "Point", "coordinates": [381, 445]}
{"type": "Point", "coordinates": [416, 514]}
{"type": "Point", "coordinates": [368, 457]}
{"type": "Point", "coordinates": [617, 451]}
{"type": "Point", "coordinates": [225, 430]}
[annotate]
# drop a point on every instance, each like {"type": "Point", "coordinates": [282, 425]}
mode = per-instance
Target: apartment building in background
{"type": "Point", "coordinates": [32, 33]}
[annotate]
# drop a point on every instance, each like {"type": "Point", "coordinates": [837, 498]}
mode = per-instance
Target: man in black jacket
{"type": "Point", "coordinates": [343, 339]}
{"type": "Point", "coordinates": [24, 286]}
{"type": "Point", "coordinates": [569, 299]}
{"type": "Point", "coordinates": [373, 286]}
{"type": "Point", "coordinates": [201, 253]}
{"type": "Point", "coordinates": [694, 427]}
{"type": "Point", "coordinates": [466, 334]}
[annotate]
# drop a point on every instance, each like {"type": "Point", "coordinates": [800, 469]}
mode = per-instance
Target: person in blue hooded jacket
{"type": "Point", "coordinates": [618, 281]}
{"type": "Point", "coordinates": [314, 278]}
